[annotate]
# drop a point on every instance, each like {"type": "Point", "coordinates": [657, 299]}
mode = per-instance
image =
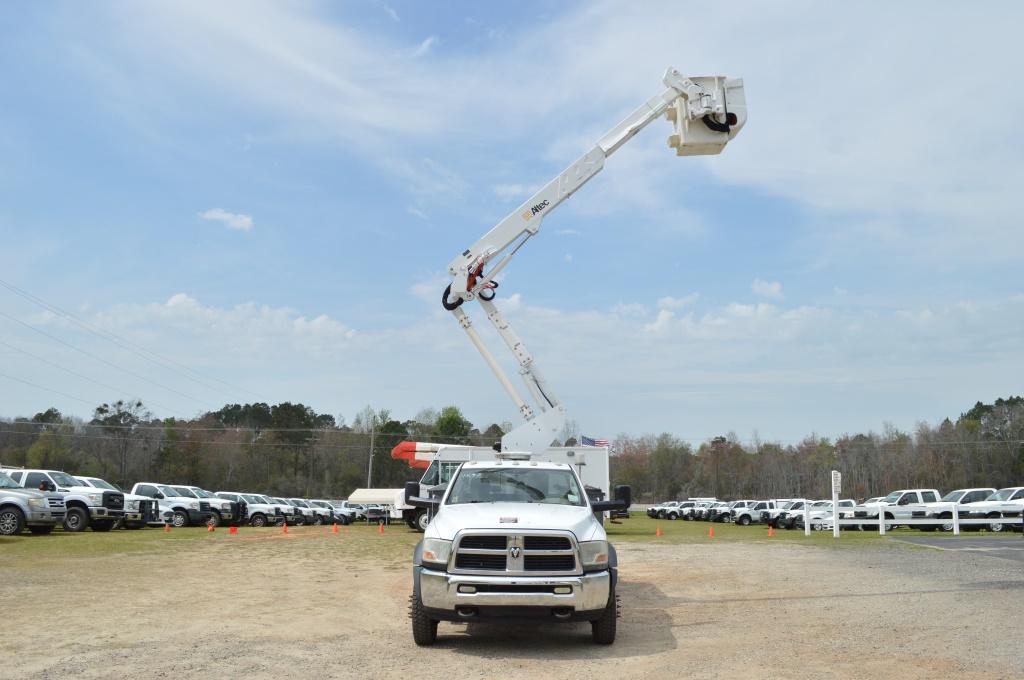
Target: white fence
{"type": "Point", "coordinates": [834, 524]}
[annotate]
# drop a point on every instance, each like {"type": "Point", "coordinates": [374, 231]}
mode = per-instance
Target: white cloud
{"type": "Point", "coordinates": [416, 212]}
{"type": "Point", "coordinates": [669, 302]}
{"type": "Point", "coordinates": [568, 232]}
{"type": "Point", "coordinates": [425, 46]}
{"type": "Point", "coordinates": [568, 257]}
{"type": "Point", "coordinates": [236, 221]}
{"type": "Point", "coordinates": [391, 13]}
{"type": "Point", "coordinates": [768, 289]}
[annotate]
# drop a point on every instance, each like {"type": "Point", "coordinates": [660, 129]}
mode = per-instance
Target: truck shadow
{"type": "Point", "coordinates": [645, 628]}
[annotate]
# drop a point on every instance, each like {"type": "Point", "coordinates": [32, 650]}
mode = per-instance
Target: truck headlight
{"type": "Point", "coordinates": [193, 506]}
{"type": "Point", "coordinates": [95, 497]}
{"type": "Point", "coordinates": [133, 505]}
{"type": "Point", "coordinates": [594, 554]}
{"type": "Point", "coordinates": [38, 503]}
{"type": "Point", "coordinates": [436, 550]}
{"type": "Point", "coordinates": [225, 506]}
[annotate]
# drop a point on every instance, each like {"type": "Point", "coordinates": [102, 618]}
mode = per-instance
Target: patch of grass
{"type": "Point", "coordinates": [25, 551]}
{"type": "Point", "coordinates": [641, 528]}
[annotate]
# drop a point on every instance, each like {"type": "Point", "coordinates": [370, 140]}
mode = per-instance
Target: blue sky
{"type": "Point", "coordinates": [268, 195]}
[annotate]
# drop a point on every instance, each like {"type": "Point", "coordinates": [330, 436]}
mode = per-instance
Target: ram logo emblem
{"type": "Point", "coordinates": [514, 552]}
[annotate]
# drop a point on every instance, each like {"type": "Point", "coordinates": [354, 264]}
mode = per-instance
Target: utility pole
{"type": "Point", "coordinates": [369, 471]}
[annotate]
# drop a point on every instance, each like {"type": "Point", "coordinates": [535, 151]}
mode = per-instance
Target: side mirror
{"type": "Point", "coordinates": [623, 499]}
{"type": "Point", "coordinates": [159, 496]}
{"type": "Point", "coordinates": [624, 494]}
{"type": "Point", "coordinates": [412, 489]}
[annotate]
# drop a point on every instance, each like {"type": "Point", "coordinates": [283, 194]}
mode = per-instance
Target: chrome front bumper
{"type": "Point", "coordinates": [440, 590]}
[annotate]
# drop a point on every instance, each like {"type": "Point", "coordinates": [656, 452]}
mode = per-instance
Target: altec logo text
{"type": "Point", "coordinates": [528, 214]}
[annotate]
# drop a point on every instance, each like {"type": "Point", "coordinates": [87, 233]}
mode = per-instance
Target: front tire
{"type": "Point", "coordinates": [743, 521]}
{"type": "Point", "coordinates": [424, 628]}
{"type": "Point", "coordinates": [12, 521]}
{"type": "Point", "coordinates": [258, 520]}
{"type": "Point", "coordinates": [215, 519]}
{"type": "Point", "coordinates": [319, 520]}
{"type": "Point", "coordinates": [76, 520]}
{"type": "Point", "coordinates": [994, 527]}
{"type": "Point", "coordinates": [422, 520]}
{"type": "Point", "coordinates": [180, 519]}
{"type": "Point", "coordinates": [603, 629]}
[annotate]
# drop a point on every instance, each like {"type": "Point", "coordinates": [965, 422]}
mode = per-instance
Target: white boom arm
{"type": "Point", "coordinates": [707, 112]}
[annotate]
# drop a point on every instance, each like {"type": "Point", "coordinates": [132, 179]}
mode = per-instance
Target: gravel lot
{"type": "Point", "coordinates": [310, 604]}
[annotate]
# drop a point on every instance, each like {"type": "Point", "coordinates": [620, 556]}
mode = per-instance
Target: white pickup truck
{"type": "Point", "coordinates": [1008, 502]}
{"type": "Point", "coordinates": [965, 499]}
{"type": "Point", "coordinates": [86, 506]}
{"type": "Point", "coordinates": [186, 510]}
{"type": "Point", "coordinates": [139, 511]}
{"type": "Point", "coordinates": [514, 540]}
{"type": "Point", "coordinates": [896, 506]}
{"type": "Point", "coordinates": [259, 513]}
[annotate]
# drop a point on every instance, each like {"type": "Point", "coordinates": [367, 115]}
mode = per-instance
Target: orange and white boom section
{"type": "Point", "coordinates": [706, 112]}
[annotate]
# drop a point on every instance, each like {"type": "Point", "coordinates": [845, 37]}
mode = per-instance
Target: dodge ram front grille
{"type": "Point", "coordinates": [549, 562]}
{"type": "Point", "coordinates": [483, 562]}
{"type": "Point", "coordinates": [204, 506]}
{"type": "Point", "coordinates": [484, 542]}
{"type": "Point", "coordinates": [490, 552]}
{"type": "Point", "coordinates": [546, 543]}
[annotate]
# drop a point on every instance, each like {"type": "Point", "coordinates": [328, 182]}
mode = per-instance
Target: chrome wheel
{"type": "Point", "coordinates": [10, 522]}
{"type": "Point", "coordinates": [258, 521]}
{"type": "Point", "coordinates": [180, 519]}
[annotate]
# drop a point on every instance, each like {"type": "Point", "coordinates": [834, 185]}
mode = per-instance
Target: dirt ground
{"type": "Point", "coordinates": [312, 604]}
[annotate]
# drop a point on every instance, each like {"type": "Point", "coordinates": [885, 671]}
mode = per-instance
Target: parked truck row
{"type": "Point", "coordinates": [41, 500]}
{"type": "Point", "coordinates": [902, 504]}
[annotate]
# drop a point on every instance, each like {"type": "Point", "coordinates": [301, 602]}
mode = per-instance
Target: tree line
{"type": "Point", "coordinates": [290, 449]}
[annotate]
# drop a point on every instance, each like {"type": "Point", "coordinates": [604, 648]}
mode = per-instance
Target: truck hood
{"type": "Point", "coordinates": [995, 505]}
{"type": "Point", "coordinates": [529, 516]}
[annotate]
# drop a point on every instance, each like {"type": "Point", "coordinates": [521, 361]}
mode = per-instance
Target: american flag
{"type": "Point", "coordinates": [587, 441]}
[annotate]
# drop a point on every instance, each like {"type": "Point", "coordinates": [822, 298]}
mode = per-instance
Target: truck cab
{"type": "Point", "coordinates": [514, 540]}
{"type": "Point", "coordinates": [86, 506]}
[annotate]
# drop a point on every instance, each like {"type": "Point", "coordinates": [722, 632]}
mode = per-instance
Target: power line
{"type": "Point", "coordinates": [83, 377]}
{"type": "Point", "coordinates": [124, 343]}
{"type": "Point", "coordinates": [63, 394]}
{"type": "Point", "coordinates": [101, 359]}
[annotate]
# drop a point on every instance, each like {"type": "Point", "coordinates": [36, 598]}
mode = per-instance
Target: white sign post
{"type": "Point", "coordinates": [837, 485]}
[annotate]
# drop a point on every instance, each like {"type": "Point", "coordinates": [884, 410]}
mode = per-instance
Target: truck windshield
{"type": "Point", "coordinates": [893, 497]}
{"type": "Point", "coordinates": [184, 492]}
{"type": "Point", "coordinates": [953, 496]}
{"type": "Point", "coordinates": [253, 499]}
{"type": "Point", "coordinates": [64, 479]}
{"type": "Point", "coordinates": [100, 484]}
{"type": "Point", "coordinates": [203, 494]}
{"type": "Point", "coordinates": [516, 485]}
{"type": "Point", "coordinates": [1001, 495]}
{"type": "Point", "coordinates": [7, 483]}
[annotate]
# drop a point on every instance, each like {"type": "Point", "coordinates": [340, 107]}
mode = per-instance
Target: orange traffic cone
{"type": "Point", "coordinates": [380, 527]}
{"type": "Point", "coordinates": [167, 528]}
{"type": "Point", "coordinates": [284, 528]}
{"type": "Point", "coordinates": [233, 530]}
{"type": "Point", "coordinates": [334, 529]}
{"type": "Point", "coordinates": [209, 528]}
{"type": "Point", "coordinates": [711, 532]}
{"type": "Point", "coordinates": [657, 531]}
{"type": "Point", "coordinates": [771, 532]}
